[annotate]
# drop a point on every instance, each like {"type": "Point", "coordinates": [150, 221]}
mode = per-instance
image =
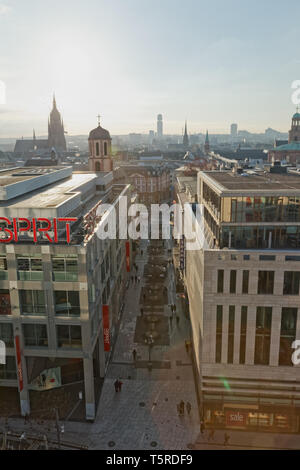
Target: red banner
{"type": "Point", "coordinates": [105, 313]}
{"type": "Point", "coordinates": [128, 257]}
{"type": "Point", "coordinates": [235, 418]}
{"type": "Point", "coordinates": [19, 362]}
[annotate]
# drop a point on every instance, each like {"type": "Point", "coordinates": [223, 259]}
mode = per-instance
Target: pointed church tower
{"type": "Point", "coordinates": [185, 138]}
{"type": "Point", "coordinates": [56, 133]}
{"type": "Point", "coordinates": [206, 145]}
{"type": "Point", "coordinates": [100, 150]}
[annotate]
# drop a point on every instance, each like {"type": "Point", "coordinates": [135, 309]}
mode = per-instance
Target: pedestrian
{"type": "Point", "coordinates": [187, 346]}
{"type": "Point", "coordinates": [211, 435]}
{"type": "Point", "coordinates": [144, 297]}
{"type": "Point", "coordinates": [188, 408]}
{"type": "Point", "coordinates": [202, 427]}
{"type": "Point", "coordinates": [132, 279]}
{"type": "Point", "coordinates": [120, 385]}
{"type": "Point", "coordinates": [226, 438]}
{"type": "Point", "coordinates": [116, 384]}
{"type": "Point", "coordinates": [135, 277]}
{"type": "Point", "coordinates": [142, 252]}
{"type": "Point", "coordinates": [134, 353]}
{"type": "Point", "coordinates": [142, 312]}
{"type": "Point", "coordinates": [177, 319]}
{"type": "Point", "coordinates": [139, 279]}
{"type": "Point", "coordinates": [182, 407]}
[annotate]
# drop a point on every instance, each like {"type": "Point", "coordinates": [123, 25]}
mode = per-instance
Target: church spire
{"type": "Point", "coordinates": [34, 138]}
{"type": "Point", "coordinates": [185, 137]}
{"type": "Point", "coordinates": [54, 101]}
{"type": "Point", "coordinates": [206, 145]}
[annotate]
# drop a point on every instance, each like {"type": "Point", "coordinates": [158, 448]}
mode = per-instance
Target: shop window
{"type": "Point", "coordinates": [67, 303]}
{"type": "Point", "coordinates": [35, 335]}
{"type": "Point", "coordinates": [69, 336]}
{"type": "Point", "coordinates": [32, 302]}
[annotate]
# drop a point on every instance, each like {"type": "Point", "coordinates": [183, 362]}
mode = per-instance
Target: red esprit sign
{"type": "Point", "coordinates": [33, 225]}
{"type": "Point", "coordinates": [235, 418]}
{"type": "Point", "coordinates": [105, 313]}
{"type": "Point", "coordinates": [19, 362]}
{"type": "Point", "coordinates": [128, 257]}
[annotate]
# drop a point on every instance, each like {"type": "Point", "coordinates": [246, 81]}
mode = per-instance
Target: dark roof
{"type": "Point", "coordinates": [99, 133]}
{"type": "Point", "coordinates": [27, 145]}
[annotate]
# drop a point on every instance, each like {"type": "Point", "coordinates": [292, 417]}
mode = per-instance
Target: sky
{"type": "Point", "coordinates": [212, 63]}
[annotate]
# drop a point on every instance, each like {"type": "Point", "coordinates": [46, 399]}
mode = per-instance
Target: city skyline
{"type": "Point", "coordinates": [100, 59]}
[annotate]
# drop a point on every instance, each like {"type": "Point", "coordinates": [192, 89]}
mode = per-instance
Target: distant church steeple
{"type": "Point", "coordinates": [206, 145]}
{"type": "Point", "coordinates": [56, 133]}
{"type": "Point", "coordinates": [100, 158]}
{"type": "Point", "coordinates": [185, 137]}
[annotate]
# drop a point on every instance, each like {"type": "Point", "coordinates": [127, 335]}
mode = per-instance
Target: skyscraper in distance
{"type": "Point", "coordinates": [233, 130]}
{"type": "Point", "coordinates": [159, 126]}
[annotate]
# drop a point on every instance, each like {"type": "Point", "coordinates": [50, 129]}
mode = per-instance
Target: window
{"type": "Point", "coordinates": [6, 334]}
{"type": "Point", "coordinates": [30, 269]}
{"type": "Point", "coordinates": [232, 281]}
{"type": "Point", "coordinates": [105, 148]}
{"type": "Point", "coordinates": [220, 287]}
{"type": "Point", "coordinates": [97, 166]}
{"type": "Point", "coordinates": [291, 283]}
{"type": "Point", "coordinates": [245, 284]}
{"type": "Point", "coordinates": [3, 268]}
{"type": "Point", "coordinates": [97, 149]}
{"type": "Point", "coordinates": [65, 268]}
{"type": "Point", "coordinates": [246, 257]}
{"type": "Point", "coordinates": [263, 335]}
{"type": "Point", "coordinates": [67, 303]}
{"type": "Point", "coordinates": [231, 334]}
{"type": "Point", "coordinates": [32, 302]}
{"type": "Point", "coordinates": [265, 282]}
{"type": "Point", "coordinates": [219, 333]}
{"type": "Point", "coordinates": [292, 258]}
{"type": "Point", "coordinates": [5, 307]}
{"type": "Point", "coordinates": [69, 336]}
{"type": "Point", "coordinates": [267, 258]}
{"type": "Point", "coordinates": [287, 335]}
{"type": "Point", "coordinates": [35, 335]}
{"type": "Point", "coordinates": [244, 311]}
{"type": "Point", "coordinates": [8, 371]}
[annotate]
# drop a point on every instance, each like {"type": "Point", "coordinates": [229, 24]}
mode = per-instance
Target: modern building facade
{"type": "Point", "coordinates": [243, 293]}
{"type": "Point", "coordinates": [61, 286]}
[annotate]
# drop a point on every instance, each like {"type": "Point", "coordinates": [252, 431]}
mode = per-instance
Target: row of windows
{"type": "Point", "coordinates": [31, 268]}
{"type": "Point", "coordinates": [262, 334]}
{"type": "Point", "coordinates": [68, 336]}
{"type": "Point", "coordinates": [33, 302]}
{"type": "Point", "coordinates": [265, 283]}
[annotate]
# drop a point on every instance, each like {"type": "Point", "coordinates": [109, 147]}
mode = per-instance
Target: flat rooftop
{"type": "Point", "coordinates": [227, 181]}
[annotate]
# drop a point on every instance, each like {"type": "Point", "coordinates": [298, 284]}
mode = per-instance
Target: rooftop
{"type": "Point", "coordinates": [227, 181]}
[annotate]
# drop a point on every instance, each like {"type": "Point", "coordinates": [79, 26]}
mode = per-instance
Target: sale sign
{"type": "Point", "coordinates": [235, 418]}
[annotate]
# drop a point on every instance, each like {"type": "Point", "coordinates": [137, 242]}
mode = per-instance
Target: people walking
{"type": "Point", "coordinates": [182, 407]}
{"type": "Point", "coordinates": [134, 354]}
{"type": "Point", "coordinates": [226, 438]}
{"type": "Point", "coordinates": [188, 408]}
{"type": "Point", "coordinates": [116, 384]}
{"type": "Point", "coordinates": [177, 319]}
{"type": "Point", "coordinates": [187, 348]}
{"type": "Point", "coordinates": [120, 385]}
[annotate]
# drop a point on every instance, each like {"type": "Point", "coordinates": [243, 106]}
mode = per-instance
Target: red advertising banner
{"type": "Point", "coordinates": [128, 257]}
{"type": "Point", "coordinates": [105, 313]}
{"type": "Point", "coordinates": [19, 362]}
{"type": "Point", "coordinates": [235, 418]}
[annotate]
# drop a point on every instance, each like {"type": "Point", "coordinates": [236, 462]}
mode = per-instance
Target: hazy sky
{"type": "Point", "coordinates": [210, 62]}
